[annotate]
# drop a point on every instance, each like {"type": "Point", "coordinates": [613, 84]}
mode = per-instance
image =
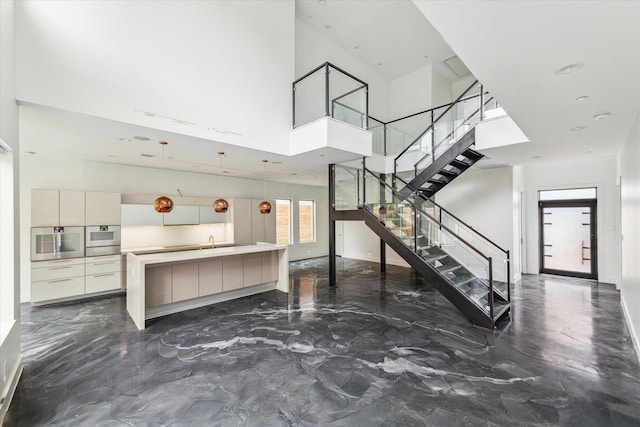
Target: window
{"type": "Point", "coordinates": [307, 217]}
{"type": "Point", "coordinates": [283, 222]}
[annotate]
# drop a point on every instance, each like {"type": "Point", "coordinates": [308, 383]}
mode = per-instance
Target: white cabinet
{"type": "Point", "coordinates": [51, 280]}
{"type": "Point", "coordinates": [57, 208]}
{"type": "Point", "coordinates": [210, 276]}
{"type": "Point", "coordinates": [102, 208]}
{"type": "Point", "coordinates": [184, 280]}
{"type": "Point", "coordinates": [242, 221]}
{"type": "Point", "coordinates": [252, 269]}
{"type": "Point", "coordinates": [209, 216]}
{"type": "Point", "coordinates": [249, 225]}
{"type": "Point", "coordinates": [182, 215]}
{"type": "Point", "coordinates": [103, 273]}
{"type": "Point", "coordinates": [157, 284]}
{"type": "Point", "coordinates": [140, 215]}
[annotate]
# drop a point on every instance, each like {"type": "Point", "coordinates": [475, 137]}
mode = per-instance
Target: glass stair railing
{"type": "Point", "coordinates": [465, 260]}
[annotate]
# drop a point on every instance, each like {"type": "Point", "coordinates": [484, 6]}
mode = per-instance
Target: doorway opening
{"type": "Point", "coordinates": [568, 232]}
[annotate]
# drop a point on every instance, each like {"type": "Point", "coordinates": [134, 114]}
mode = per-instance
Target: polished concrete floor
{"type": "Point", "coordinates": [378, 350]}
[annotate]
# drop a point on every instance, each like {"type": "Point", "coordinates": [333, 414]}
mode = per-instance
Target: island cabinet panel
{"type": "Point", "coordinates": [157, 284]}
{"type": "Point", "coordinates": [252, 269]}
{"type": "Point", "coordinates": [232, 272]}
{"type": "Point", "coordinates": [184, 280]}
{"type": "Point", "coordinates": [269, 266]}
{"type": "Point", "coordinates": [210, 276]}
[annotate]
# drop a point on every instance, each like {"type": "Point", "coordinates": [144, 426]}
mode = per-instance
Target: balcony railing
{"type": "Point", "coordinates": [328, 91]}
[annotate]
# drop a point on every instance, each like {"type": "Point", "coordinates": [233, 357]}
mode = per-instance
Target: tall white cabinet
{"type": "Point", "coordinates": [53, 208]}
{"type": "Point", "coordinates": [249, 225]}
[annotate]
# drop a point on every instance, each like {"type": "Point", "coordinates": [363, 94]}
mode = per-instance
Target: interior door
{"type": "Point", "coordinates": [568, 238]}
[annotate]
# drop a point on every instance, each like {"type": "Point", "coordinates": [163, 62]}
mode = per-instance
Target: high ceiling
{"type": "Point", "coordinates": [391, 36]}
{"type": "Point", "coordinates": [514, 48]}
{"type": "Point", "coordinates": [521, 50]}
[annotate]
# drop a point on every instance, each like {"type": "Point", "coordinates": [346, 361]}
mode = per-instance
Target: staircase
{"type": "Point", "coordinates": [466, 267]}
{"type": "Point", "coordinates": [458, 270]}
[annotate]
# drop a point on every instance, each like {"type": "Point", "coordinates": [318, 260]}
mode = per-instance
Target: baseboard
{"type": "Point", "coordinates": [634, 337]}
{"type": "Point", "coordinates": [517, 278]}
{"type": "Point", "coordinates": [10, 389]}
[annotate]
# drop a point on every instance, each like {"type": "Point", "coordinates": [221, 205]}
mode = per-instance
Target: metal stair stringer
{"type": "Point", "coordinates": [474, 313]}
{"type": "Point", "coordinates": [440, 163]}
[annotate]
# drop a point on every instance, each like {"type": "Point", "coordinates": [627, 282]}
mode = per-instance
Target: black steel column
{"type": "Point", "coordinates": [383, 256]}
{"type": "Point", "coordinates": [326, 90]}
{"type": "Point", "coordinates": [332, 226]}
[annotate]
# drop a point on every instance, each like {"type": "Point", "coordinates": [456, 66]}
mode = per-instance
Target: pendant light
{"type": "Point", "coordinates": [265, 206]}
{"type": "Point", "coordinates": [220, 205]}
{"type": "Point", "coordinates": [163, 204]}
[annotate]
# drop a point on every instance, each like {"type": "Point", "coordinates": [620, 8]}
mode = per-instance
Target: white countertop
{"type": "Point", "coordinates": [156, 258]}
{"type": "Point", "coordinates": [172, 248]}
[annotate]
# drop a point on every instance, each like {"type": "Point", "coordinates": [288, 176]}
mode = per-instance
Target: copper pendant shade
{"type": "Point", "coordinates": [163, 204]}
{"type": "Point", "coordinates": [220, 205]}
{"type": "Point", "coordinates": [265, 207]}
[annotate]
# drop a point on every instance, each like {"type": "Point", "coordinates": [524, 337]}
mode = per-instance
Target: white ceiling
{"type": "Point", "coordinates": [512, 47]}
{"type": "Point", "coordinates": [391, 36]}
{"type": "Point", "coordinates": [515, 48]}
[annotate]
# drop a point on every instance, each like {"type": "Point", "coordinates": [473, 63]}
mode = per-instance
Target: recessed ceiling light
{"type": "Point", "coordinates": [582, 98]}
{"type": "Point", "coordinates": [601, 116]}
{"type": "Point", "coordinates": [113, 156]}
{"type": "Point", "coordinates": [146, 155]}
{"type": "Point", "coordinates": [379, 63]}
{"type": "Point", "coordinates": [426, 57]}
{"type": "Point", "coordinates": [142, 138]}
{"type": "Point", "coordinates": [293, 174]}
{"type": "Point", "coordinates": [322, 2]}
{"type": "Point", "coordinates": [356, 47]}
{"type": "Point", "coordinates": [578, 128]}
{"type": "Point", "coordinates": [125, 139]}
{"type": "Point", "coordinates": [327, 26]}
{"type": "Point", "coordinates": [536, 157]}
{"type": "Point", "coordinates": [588, 151]}
{"type": "Point", "coordinates": [570, 68]}
{"type": "Point", "coordinates": [228, 172]}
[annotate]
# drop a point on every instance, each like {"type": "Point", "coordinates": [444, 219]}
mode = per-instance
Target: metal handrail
{"type": "Point", "coordinates": [482, 236]}
{"type": "Point", "coordinates": [418, 209]}
{"type": "Point", "coordinates": [454, 130]}
{"type": "Point", "coordinates": [457, 100]}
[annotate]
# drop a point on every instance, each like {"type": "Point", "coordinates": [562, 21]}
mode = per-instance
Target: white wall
{"type": "Point", "coordinates": [359, 242]}
{"type": "Point", "coordinates": [10, 358]}
{"type": "Point", "coordinates": [599, 172]}
{"type": "Point", "coordinates": [483, 198]}
{"type": "Point", "coordinates": [312, 49]}
{"type": "Point", "coordinates": [218, 64]}
{"type": "Point", "coordinates": [411, 93]}
{"type": "Point", "coordinates": [39, 172]}
{"type": "Point", "coordinates": [630, 230]}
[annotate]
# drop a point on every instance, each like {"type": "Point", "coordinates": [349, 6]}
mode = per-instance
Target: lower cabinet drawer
{"type": "Point", "coordinates": [103, 282]}
{"type": "Point", "coordinates": [57, 272]}
{"type": "Point", "coordinates": [57, 288]}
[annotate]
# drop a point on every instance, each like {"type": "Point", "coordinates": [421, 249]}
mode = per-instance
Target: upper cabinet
{"type": "Point", "coordinates": [209, 216]}
{"type": "Point", "coordinates": [52, 208]}
{"type": "Point", "coordinates": [102, 208]}
{"type": "Point", "coordinates": [182, 215]}
{"type": "Point", "coordinates": [140, 215]}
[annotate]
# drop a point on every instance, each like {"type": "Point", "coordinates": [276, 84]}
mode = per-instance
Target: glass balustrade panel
{"type": "Point", "coordinates": [347, 188]}
{"type": "Point", "coordinates": [309, 95]}
{"type": "Point", "coordinates": [377, 133]}
{"type": "Point", "coordinates": [347, 99]}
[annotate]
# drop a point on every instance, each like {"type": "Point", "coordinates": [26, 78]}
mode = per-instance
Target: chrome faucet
{"type": "Point", "coordinates": [212, 241]}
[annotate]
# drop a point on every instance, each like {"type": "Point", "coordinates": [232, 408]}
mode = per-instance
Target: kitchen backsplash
{"type": "Point", "coordinates": [152, 236]}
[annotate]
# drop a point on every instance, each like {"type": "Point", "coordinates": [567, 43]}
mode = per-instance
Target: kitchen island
{"type": "Point", "coordinates": [169, 282]}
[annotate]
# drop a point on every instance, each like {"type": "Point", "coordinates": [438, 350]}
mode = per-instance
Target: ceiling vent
{"type": "Point", "coordinates": [457, 66]}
